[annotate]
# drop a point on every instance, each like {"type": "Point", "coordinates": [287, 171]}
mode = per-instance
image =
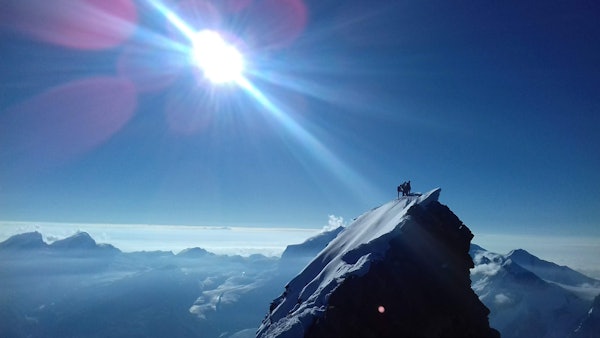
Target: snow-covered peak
{"type": "Point", "coordinates": [369, 245]}
{"type": "Point", "coordinates": [374, 224]}
{"type": "Point", "coordinates": [525, 296]}
{"type": "Point", "coordinates": [350, 252]}
{"type": "Point", "coordinates": [80, 240]}
{"type": "Point", "coordinates": [80, 243]}
{"type": "Point", "coordinates": [550, 271]}
{"type": "Point", "coordinates": [28, 240]}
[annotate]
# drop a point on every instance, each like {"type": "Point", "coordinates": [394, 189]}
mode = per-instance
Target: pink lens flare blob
{"type": "Point", "coordinates": [381, 309]}
{"type": "Point", "coordinates": [77, 24]}
{"type": "Point", "coordinates": [148, 67]}
{"type": "Point", "coordinates": [274, 24]}
{"type": "Point", "coordinates": [69, 120]}
{"type": "Point", "coordinates": [235, 6]}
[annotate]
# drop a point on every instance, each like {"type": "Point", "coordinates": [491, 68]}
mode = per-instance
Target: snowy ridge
{"type": "Point", "coordinates": [351, 253]}
{"type": "Point", "coordinates": [311, 247]}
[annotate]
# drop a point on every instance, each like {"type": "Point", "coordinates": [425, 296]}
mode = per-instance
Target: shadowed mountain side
{"type": "Point", "coordinates": [590, 325]}
{"type": "Point", "coordinates": [399, 270]}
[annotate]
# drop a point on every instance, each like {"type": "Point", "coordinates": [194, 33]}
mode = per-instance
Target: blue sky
{"type": "Point", "coordinates": [495, 102]}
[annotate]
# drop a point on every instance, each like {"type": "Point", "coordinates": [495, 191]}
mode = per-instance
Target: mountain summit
{"type": "Point", "coordinates": [24, 241]}
{"type": "Point", "coordinates": [401, 269]}
{"type": "Point", "coordinates": [548, 270]}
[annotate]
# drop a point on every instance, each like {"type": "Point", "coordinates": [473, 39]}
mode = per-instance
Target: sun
{"type": "Point", "coordinates": [220, 61]}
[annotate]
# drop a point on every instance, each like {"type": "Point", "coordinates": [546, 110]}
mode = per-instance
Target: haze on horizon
{"type": "Point", "coordinates": [577, 252]}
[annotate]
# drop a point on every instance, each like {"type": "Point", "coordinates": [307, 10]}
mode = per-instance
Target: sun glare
{"type": "Point", "coordinates": [220, 61]}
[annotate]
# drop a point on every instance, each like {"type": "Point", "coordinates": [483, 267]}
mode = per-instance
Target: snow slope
{"type": "Point", "coordinates": [353, 253]}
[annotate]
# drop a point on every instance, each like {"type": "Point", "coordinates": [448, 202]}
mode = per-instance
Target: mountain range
{"type": "Point", "coordinates": [76, 287]}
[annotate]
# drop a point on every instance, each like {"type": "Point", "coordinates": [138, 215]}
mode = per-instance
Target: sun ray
{"type": "Point", "coordinates": [310, 143]}
{"type": "Point", "coordinates": [173, 19]}
{"type": "Point", "coordinates": [205, 40]}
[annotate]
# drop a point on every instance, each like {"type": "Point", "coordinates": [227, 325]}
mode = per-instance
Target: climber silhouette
{"type": "Point", "coordinates": [404, 188]}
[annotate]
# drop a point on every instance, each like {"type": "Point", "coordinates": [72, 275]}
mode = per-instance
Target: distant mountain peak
{"type": "Point", "coordinates": [79, 240]}
{"type": "Point", "coordinates": [520, 253]}
{"type": "Point", "coordinates": [27, 240]}
{"type": "Point", "coordinates": [549, 271]}
{"type": "Point", "coordinates": [194, 253]}
{"type": "Point", "coordinates": [525, 297]}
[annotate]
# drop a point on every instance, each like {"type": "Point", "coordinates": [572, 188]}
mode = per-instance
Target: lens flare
{"type": "Point", "coordinates": [82, 24]}
{"type": "Point", "coordinates": [220, 61]}
{"type": "Point", "coordinates": [67, 121]}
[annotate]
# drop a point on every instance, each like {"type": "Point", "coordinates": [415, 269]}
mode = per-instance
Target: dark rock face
{"type": "Point", "coordinates": [590, 325]}
{"type": "Point", "coordinates": [420, 289]}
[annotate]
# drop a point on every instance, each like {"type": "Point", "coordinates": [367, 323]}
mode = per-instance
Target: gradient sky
{"type": "Point", "coordinates": [496, 102]}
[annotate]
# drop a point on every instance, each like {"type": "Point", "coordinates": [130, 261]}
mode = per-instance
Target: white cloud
{"type": "Point", "coordinates": [501, 299]}
{"type": "Point", "coordinates": [584, 291]}
{"type": "Point", "coordinates": [489, 269]}
{"type": "Point", "coordinates": [486, 263]}
{"type": "Point", "coordinates": [334, 222]}
{"type": "Point", "coordinates": [229, 292]}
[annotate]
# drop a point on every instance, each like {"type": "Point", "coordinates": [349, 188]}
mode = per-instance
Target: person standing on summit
{"type": "Point", "coordinates": [404, 188]}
